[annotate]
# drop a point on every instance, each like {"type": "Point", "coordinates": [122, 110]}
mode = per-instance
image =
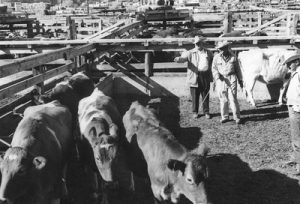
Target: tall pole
{"type": "Point", "coordinates": [88, 7]}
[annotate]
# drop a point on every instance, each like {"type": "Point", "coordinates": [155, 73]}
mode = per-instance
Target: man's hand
{"type": "Point", "coordinates": [176, 59]}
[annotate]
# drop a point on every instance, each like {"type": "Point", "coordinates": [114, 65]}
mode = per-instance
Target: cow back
{"type": "Point", "coordinates": [45, 128]}
{"type": "Point", "coordinates": [267, 63]}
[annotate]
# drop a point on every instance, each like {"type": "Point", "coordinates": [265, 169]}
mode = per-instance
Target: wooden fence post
{"type": "Point", "coordinates": [29, 30]}
{"type": "Point", "coordinates": [36, 71]}
{"type": "Point", "coordinates": [72, 28]}
{"type": "Point", "coordinates": [227, 23]}
{"type": "Point", "coordinates": [288, 24]}
{"type": "Point", "coordinates": [259, 18]}
{"type": "Point", "coordinates": [100, 25]}
{"type": "Point", "coordinates": [148, 64]}
{"type": "Point", "coordinates": [37, 27]}
{"type": "Point", "coordinates": [294, 24]}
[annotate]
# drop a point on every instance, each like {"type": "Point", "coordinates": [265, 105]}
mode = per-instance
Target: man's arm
{"type": "Point", "coordinates": [238, 72]}
{"type": "Point", "coordinates": [214, 68]}
{"type": "Point", "coordinates": [183, 58]}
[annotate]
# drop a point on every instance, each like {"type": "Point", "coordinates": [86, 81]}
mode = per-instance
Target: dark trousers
{"type": "Point", "coordinates": [203, 90]}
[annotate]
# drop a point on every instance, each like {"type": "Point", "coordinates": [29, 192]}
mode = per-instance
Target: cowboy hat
{"type": "Point", "coordinates": [222, 44]}
{"type": "Point", "coordinates": [198, 39]}
{"type": "Point", "coordinates": [292, 58]}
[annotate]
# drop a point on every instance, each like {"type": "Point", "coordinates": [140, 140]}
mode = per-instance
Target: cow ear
{"type": "Point", "coordinates": [203, 150]}
{"type": "Point", "coordinates": [93, 132]}
{"type": "Point", "coordinates": [176, 165]}
{"type": "Point", "coordinates": [39, 162]}
{"type": "Point", "coordinates": [1, 158]}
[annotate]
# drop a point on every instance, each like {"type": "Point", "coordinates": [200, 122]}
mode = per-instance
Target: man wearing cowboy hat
{"type": "Point", "coordinates": [293, 103]}
{"type": "Point", "coordinates": [198, 75]}
{"type": "Point", "coordinates": [226, 74]}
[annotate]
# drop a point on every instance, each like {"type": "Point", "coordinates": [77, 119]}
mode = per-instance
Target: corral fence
{"type": "Point", "coordinates": [51, 60]}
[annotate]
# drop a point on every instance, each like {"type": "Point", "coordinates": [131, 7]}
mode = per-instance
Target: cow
{"type": "Point", "coordinates": [265, 65]}
{"type": "Point", "coordinates": [99, 121]}
{"type": "Point", "coordinates": [71, 91]}
{"type": "Point", "coordinates": [172, 169]}
{"type": "Point", "coordinates": [32, 168]}
{"type": "Point", "coordinates": [98, 118]}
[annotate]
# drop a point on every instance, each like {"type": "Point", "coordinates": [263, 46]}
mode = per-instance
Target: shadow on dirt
{"type": "Point", "coordinates": [189, 137]}
{"type": "Point", "coordinates": [268, 112]}
{"type": "Point", "coordinates": [232, 181]}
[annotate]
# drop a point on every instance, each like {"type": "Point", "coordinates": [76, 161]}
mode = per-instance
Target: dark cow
{"type": "Point", "coordinates": [32, 168]}
{"type": "Point", "coordinates": [70, 92]}
{"type": "Point", "coordinates": [98, 118]}
{"type": "Point", "coordinates": [172, 169]}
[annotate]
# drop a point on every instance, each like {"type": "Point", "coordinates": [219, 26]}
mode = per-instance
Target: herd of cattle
{"type": "Point", "coordinates": [75, 115]}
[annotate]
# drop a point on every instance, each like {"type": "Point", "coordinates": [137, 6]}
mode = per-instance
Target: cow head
{"type": "Point", "coordinates": [19, 171]}
{"type": "Point", "coordinates": [104, 146]}
{"type": "Point", "coordinates": [81, 84]}
{"type": "Point", "coordinates": [192, 173]}
{"type": "Point", "coordinates": [137, 114]}
{"type": "Point", "coordinates": [131, 120]}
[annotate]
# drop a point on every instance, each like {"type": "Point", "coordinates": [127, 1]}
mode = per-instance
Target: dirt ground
{"type": "Point", "coordinates": [246, 161]}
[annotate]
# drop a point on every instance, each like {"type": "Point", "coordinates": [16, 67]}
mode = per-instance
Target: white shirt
{"type": "Point", "coordinates": [202, 61]}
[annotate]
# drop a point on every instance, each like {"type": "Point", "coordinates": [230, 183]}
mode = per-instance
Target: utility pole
{"type": "Point", "coordinates": [88, 7]}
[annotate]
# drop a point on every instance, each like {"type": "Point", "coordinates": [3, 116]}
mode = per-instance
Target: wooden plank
{"type": "Point", "coordinates": [266, 24]}
{"type": "Point", "coordinates": [16, 81]}
{"type": "Point", "coordinates": [29, 62]}
{"type": "Point", "coordinates": [106, 30]}
{"type": "Point", "coordinates": [8, 122]}
{"type": "Point", "coordinates": [6, 92]}
{"type": "Point", "coordinates": [141, 66]}
{"type": "Point", "coordinates": [140, 40]}
{"type": "Point", "coordinates": [22, 64]}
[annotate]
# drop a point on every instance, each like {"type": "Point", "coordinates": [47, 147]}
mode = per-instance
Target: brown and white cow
{"type": "Point", "coordinates": [99, 118]}
{"type": "Point", "coordinates": [32, 168]}
{"type": "Point", "coordinates": [172, 169]}
{"type": "Point", "coordinates": [265, 65]}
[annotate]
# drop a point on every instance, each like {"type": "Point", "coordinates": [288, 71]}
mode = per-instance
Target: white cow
{"type": "Point", "coordinates": [265, 65]}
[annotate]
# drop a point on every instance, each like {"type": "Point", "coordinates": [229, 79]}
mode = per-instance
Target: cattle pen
{"type": "Point", "coordinates": [245, 160]}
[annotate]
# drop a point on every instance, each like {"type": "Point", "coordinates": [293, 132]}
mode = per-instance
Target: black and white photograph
{"type": "Point", "coordinates": [149, 101]}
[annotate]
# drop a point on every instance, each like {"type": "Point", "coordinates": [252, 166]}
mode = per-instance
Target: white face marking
{"type": "Point", "coordinates": [12, 157]}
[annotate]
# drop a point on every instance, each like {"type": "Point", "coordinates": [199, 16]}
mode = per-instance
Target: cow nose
{"type": "Point", "coordinates": [3, 201]}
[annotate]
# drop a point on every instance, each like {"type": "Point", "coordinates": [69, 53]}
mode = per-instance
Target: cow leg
{"type": "Point", "coordinates": [64, 185]}
{"type": "Point", "coordinates": [92, 184]}
{"type": "Point", "coordinates": [132, 183]}
{"type": "Point", "coordinates": [249, 85]}
{"type": "Point", "coordinates": [282, 92]}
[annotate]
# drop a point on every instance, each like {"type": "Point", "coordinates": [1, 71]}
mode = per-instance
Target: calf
{"type": "Point", "coordinates": [32, 167]}
{"type": "Point", "coordinates": [98, 121]}
{"type": "Point", "coordinates": [172, 169]}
